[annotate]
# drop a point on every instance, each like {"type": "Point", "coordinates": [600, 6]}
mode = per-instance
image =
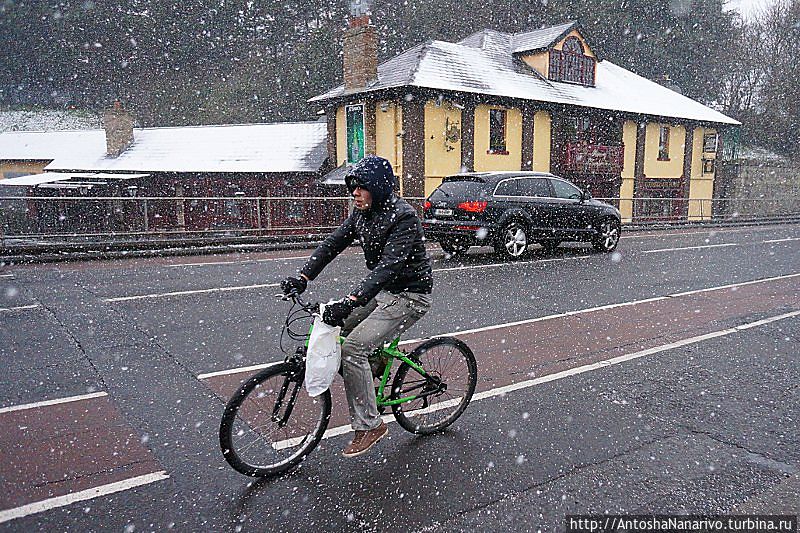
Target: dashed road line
{"type": "Point", "coordinates": [88, 494]}
{"type": "Point", "coordinates": [184, 293]}
{"type": "Point", "coordinates": [20, 308]}
{"type": "Point", "coordinates": [239, 262]}
{"type": "Point", "coordinates": [691, 247]}
{"type": "Point", "coordinates": [784, 240]}
{"type": "Point", "coordinates": [57, 401]}
{"type": "Point", "coordinates": [732, 285]}
{"type": "Point", "coordinates": [515, 263]}
{"type": "Point", "coordinates": [237, 370]}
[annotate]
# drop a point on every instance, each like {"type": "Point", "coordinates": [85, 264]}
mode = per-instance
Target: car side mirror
{"type": "Point", "coordinates": [585, 196]}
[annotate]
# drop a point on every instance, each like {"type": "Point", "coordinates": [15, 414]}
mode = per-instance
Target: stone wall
{"type": "Point", "coordinates": [767, 184]}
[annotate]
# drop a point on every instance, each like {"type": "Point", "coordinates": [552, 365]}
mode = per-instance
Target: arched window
{"type": "Point", "coordinates": [572, 46]}
{"type": "Point", "coordinates": [571, 64]}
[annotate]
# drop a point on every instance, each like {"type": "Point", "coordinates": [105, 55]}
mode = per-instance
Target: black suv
{"type": "Point", "coordinates": [511, 210]}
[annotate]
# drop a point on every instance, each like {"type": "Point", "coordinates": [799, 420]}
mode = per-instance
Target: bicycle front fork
{"type": "Point", "coordinates": [293, 380]}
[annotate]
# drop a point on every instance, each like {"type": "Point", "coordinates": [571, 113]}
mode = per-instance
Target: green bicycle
{"type": "Point", "coordinates": [270, 425]}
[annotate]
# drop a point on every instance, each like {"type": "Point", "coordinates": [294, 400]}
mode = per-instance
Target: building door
{"type": "Point", "coordinates": [588, 151]}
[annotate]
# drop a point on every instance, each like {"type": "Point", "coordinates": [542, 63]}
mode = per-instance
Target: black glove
{"type": "Point", "coordinates": [292, 285]}
{"type": "Point", "coordinates": [336, 312]}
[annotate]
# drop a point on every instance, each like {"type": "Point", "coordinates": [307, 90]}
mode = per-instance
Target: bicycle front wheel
{"type": "Point", "coordinates": [271, 423]}
{"type": "Point", "coordinates": [442, 395]}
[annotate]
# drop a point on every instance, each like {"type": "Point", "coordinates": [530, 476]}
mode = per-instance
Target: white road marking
{"type": "Point", "coordinates": [510, 263]}
{"type": "Point", "coordinates": [6, 275]}
{"type": "Point", "coordinates": [489, 265]}
{"type": "Point", "coordinates": [541, 318]}
{"type": "Point", "coordinates": [732, 285]}
{"type": "Point", "coordinates": [499, 391]}
{"type": "Point", "coordinates": [711, 231]}
{"type": "Point", "coordinates": [282, 258]}
{"type": "Point", "coordinates": [784, 240]}
{"type": "Point", "coordinates": [46, 403]}
{"type": "Point", "coordinates": [649, 235]}
{"type": "Point", "coordinates": [34, 306]}
{"type": "Point", "coordinates": [88, 494]}
{"type": "Point", "coordinates": [691, 247]}
{"type": "Point", "coordinates": [183, 293]}
{"type": "Point", "coordinates": [243, 261]}
{"type": "Point", "coordinates": [237, 370]}
{"type": "Point", "coordinates": [207, 263]}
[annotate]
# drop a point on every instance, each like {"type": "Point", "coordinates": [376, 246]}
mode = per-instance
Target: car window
{"type": "Point", "coordinates": [565, 190]}
{"type": "Point", "coordinates": [461, 187]}
{"type": "Point", "coordinates": [507, 188]}
{"type": "Point", "coordinates": [535, 187]}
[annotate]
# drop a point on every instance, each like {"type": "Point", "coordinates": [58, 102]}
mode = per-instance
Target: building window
{"type": "Point", "coordinates": [571, 64]}
{"type": "Point", "coordinates": [497, 131]}
{"type": "Point", "coordinates": [355, 132]}
{"type": "Point", "coordinates": [710, 143]}
{"type": "Point", "coordinates": [663, 143]}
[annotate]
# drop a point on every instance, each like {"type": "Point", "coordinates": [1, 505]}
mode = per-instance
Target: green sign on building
{"type": "Point", "coordinates": [355, 132]}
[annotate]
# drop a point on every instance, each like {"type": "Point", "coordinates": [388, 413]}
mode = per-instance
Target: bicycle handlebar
{"type": "Point", "coordinates": [312, 307]}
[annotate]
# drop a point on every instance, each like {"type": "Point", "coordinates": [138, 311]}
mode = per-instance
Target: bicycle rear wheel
{"type": "Point", "coordinates": [271, 423]}
{"type": "Point", "coordinates": [444, 393]}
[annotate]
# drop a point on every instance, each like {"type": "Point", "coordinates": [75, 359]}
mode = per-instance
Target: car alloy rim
{"type": "Point", "coordinates": [610, 234]}
{"type": "Point", "coordinates": [516, 240]}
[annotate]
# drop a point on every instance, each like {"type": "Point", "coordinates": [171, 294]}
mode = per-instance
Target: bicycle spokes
{"type": "Point", "coordinates": [430, 395]}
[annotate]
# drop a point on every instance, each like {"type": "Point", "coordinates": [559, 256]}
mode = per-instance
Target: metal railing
{"type": "Point", "coordinates": [656, 210]}
{"type": "Point", "coordinates": [76, 219]}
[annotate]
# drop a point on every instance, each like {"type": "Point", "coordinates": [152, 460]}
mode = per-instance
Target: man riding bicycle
{"type": "Point", "coordinates": [393, 296]}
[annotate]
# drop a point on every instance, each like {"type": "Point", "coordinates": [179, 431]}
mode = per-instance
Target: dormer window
{"type": "Point", "coordinates": [571, 64]}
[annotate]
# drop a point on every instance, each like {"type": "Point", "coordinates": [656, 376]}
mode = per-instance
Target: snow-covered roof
{"type": "Point", "coordinates": [484, 63]}
{"type": "Point", "coordinates": [277, 147]}
{"type": "Point", "coordinates": [48, 119]}
{"type": "Point", "coordinates": [51, 145]}
{"type": "Point", "coordinates": [541, 38]}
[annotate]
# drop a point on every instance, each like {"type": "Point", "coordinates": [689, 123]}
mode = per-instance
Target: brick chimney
{"type": "Point", "coordinates": [360, 48]}
{"type": "Point", "coordinates": [118, 124]}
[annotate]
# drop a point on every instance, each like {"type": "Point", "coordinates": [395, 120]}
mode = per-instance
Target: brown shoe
{"type": "Point", "coordinates": [364, 440]}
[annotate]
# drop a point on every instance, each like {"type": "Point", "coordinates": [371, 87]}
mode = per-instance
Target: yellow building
{"type": "Point", "coordinates": [542, 100]}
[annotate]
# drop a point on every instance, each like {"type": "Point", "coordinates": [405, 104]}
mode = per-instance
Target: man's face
{"type": "Point", "coordinates": [362, 198]}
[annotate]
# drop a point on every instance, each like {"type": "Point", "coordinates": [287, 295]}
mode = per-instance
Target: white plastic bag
{"type": "Point", "coordinates": [323, 357]}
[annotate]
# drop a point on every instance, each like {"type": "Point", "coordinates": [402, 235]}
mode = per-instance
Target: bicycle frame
{"type": "Point", "coordinates": [392, 352]}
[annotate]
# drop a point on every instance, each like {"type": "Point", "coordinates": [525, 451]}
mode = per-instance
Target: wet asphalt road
{"type": "Point", "coordinates": [706, 427]}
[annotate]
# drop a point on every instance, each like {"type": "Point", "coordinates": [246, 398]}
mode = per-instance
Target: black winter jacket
{"type": "Point", "coordinates": [392, 239]}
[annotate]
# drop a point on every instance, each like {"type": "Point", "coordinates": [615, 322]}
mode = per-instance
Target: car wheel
{"type": "Point", "coordinates": [453, 247]}
{"type": "Point", "coordinates": [512, 241]}
{"type": "Point", "coordinates": [607, 236]}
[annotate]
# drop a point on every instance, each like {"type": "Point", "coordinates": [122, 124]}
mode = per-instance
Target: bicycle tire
{"type": "Point", "coordinates": [249, 402]}
{"type": "Point", "coordinates": [414, 416]}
